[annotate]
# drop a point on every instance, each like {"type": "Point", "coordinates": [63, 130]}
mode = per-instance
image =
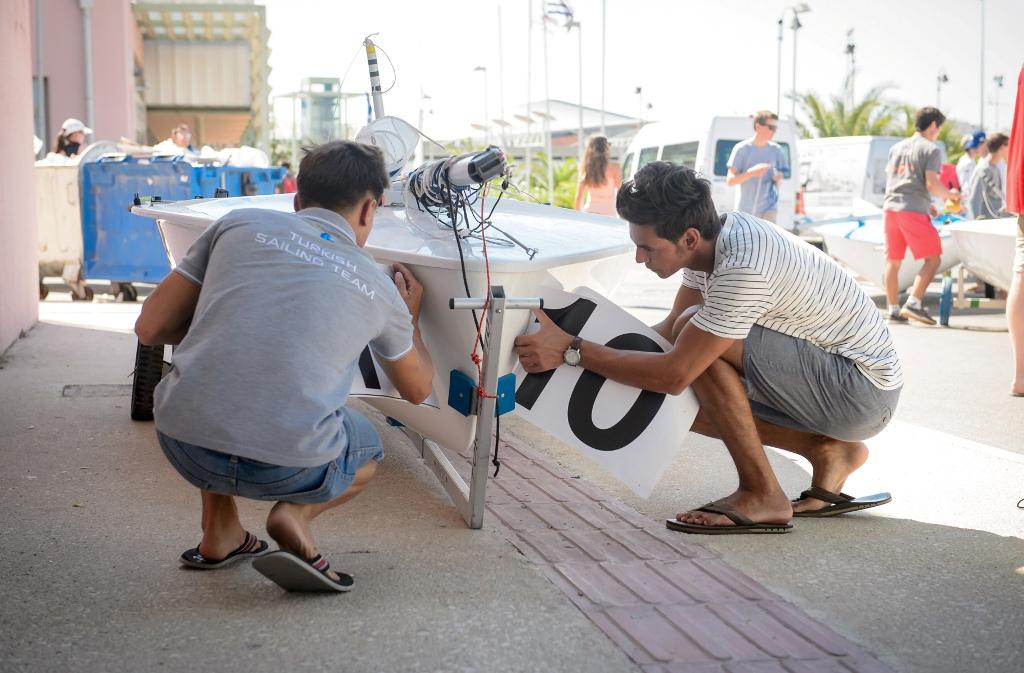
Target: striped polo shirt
{"type": "Point", "coordinates": [766, 276]}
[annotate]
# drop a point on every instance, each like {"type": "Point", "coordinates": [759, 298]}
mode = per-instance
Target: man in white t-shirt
{"type": "Point", "coordinates": [780, 345]}
{"type": "Point", "coordinates": [271, 313]}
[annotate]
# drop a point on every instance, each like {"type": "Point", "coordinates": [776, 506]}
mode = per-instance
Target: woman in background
{"type": "Point", "coordinates": [599, 180]}
{"type": "Point", "coordinates": [71, 140]}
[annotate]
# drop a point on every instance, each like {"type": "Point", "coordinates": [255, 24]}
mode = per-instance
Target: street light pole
{"type": "Point", "coordinates": [778, 72]}
{"type": "Point", "coordinates": [998, 79]}
{"type": "Point", "coordinates": [939, 81]}
{"type": "Point", "coordinates": [981, 61]}
{"type": "Point", "coordinates": [796, 26]}
{"type": "Point", "coordinates": [487, 121]}
{"type": "Point", "coordinates": [579, 130]}
{"type": "Point", "coordinates": [797, 10]}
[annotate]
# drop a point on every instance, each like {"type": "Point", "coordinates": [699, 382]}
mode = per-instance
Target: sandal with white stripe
{"type": "Point", "coordinates": [293, 573]}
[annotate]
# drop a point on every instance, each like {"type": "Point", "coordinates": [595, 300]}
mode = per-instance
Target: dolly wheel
{"type": "Point", "coordinates": [149, 369]}
{"type": "Point", "coordinates": [128, 292]}
{"type": "Point", "coordinates": [87, 294]}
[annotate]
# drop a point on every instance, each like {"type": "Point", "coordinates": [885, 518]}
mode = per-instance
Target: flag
{"type": "Point", "coordinates": [558, 9]}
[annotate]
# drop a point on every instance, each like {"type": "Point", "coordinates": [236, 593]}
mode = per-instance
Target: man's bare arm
{"type": "Point", "coordinates": [670, 372]}
{"type": "Point", "coordinates": [413, 373]}
{"type": "Point", "coordinates": [936, 187]}
{"type": "Point", "coordinates": [685, 298]}
{"type": "Point", "coordinates": [167, 313]}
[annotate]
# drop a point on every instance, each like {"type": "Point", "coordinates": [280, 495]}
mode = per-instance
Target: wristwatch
{"type": "Point", "coordinates": [572, 355]}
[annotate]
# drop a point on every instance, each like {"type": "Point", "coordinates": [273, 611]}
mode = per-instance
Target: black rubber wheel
{"type": "Point", "coordinates": [128, 292]}
{"type": "Point", "coordinates": [149, 369]}
{"type": "Point", "coordinates": [43, 291]}
{"type": "Point", "coordinates": [89, 294]}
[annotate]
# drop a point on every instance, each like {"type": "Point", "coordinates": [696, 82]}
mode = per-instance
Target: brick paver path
{"type": "Point", "coordinates": [670, 604]}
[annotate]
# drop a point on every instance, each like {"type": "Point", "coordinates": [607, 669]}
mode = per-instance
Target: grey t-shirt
{"type": "Point", "coordinates": [758, 195]}
{"type": "Point", "coordinates": [906, 187]}
{"type": "Point", "coordinates": [985, 192]}
{"type": "Point", "coordinates": [287, 305]}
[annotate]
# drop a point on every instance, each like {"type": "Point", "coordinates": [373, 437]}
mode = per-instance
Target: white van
{"type": "Point", "coordinates": [835, 171]}
{"type": "Point", "coordinates": [707, 151]}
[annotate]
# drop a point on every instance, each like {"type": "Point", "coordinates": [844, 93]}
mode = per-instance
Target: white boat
{"type": "Point", "coordinates": [987, 248]}
{"type": "Point", "coordinates": [541, 247]}
{"type": "Point", "coordinates": [859, 244]}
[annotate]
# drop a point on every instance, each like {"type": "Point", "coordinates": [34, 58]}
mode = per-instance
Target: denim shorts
{"type": "Point", "coordinates": [792, 383]}
{"type": "Point", "coordinates": [234, 475]}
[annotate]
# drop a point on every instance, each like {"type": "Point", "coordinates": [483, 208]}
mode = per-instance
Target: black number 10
{"type": "Point", "coordinates": [572, 318]}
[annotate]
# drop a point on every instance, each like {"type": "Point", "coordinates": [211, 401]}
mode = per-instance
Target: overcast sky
{"type": "Point", "coordinates": [692, 58]}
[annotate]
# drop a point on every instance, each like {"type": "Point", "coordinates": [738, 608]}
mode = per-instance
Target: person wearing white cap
{"type": "Point", "coordinates": [71, 140]}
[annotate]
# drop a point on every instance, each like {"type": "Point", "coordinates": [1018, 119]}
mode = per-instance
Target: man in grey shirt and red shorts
{"type": "Point", "coordinates": [912, 173]}
{"type": "Point", "coordinates": [271, 312]}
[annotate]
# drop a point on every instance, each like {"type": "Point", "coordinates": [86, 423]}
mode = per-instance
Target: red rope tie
{"type": "Point", "coordinates": [474, 355]}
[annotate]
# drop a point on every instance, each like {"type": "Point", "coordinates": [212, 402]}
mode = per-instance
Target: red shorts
{"type": "Point", "coordinates": [906, 228]}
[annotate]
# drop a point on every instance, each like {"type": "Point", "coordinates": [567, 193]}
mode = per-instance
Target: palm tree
{"type": "Point", "coordinates": [871, 116]}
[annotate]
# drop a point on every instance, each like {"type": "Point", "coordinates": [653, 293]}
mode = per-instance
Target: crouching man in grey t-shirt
{"type": "Point", "coordinates": [271, 312]}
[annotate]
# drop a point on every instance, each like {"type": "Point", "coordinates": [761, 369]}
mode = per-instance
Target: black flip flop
{"type": "Point", "coordinates": [743, 525]}
{"type": "Point", "coordinates": [251, 547]}
{"type": "Point", "coordinates": [292, 573]}
{"type": "Point", "coordinates": [839, 503]}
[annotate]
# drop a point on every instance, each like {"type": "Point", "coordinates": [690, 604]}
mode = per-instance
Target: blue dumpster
{"type": "Point", "coordinates": [116, 244]}
{"type": "Point", "coordinates": [237, 180]}
{"type": "Point", "coordinates": [126, 248]}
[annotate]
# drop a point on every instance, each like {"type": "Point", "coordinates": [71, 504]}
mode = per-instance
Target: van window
{"type": "Point", "coordinates": [683, 153]}
{"type": "Point", "coordinates": [723, 148]}
{"type": "Point", "coordinates": [647, 155]}
{"type": "Point", "coordinates": [627, 167]}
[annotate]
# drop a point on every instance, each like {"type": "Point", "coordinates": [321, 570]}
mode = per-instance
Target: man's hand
{"type": "Point", "coordinates": [409, 288]}
{"type": "Point", "coordinates": [777, 176]}
{"type": "Point", "coordinates": [542, 350]}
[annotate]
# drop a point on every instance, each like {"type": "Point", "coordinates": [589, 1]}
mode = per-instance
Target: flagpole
{"type": "Point", "coordinates": [529, 94]}
{"type": "Point", "coordinates": [547, 116]}
{"type": "Point", "coordinates": [604, 25]}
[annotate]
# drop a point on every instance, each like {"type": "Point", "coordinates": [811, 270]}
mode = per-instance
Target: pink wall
{"type": "Point", "coordinates": [19, 273]}
{"type": "Point", "coordinates": [113, 35]}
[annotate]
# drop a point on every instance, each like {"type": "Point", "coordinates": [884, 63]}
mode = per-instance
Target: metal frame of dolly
{"type": "Point", "coordinates": [947, 302]}
{"type": "Point", "coordinates": [469, 498]}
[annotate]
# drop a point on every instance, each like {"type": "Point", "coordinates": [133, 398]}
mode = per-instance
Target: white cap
{"type": "Point", "coordinates": [72, 125]}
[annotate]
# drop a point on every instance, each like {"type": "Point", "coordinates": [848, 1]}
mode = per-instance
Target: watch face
{"type": "Point", "coordinates": [571, 357]}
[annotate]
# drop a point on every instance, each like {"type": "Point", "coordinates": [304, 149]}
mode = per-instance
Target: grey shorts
{"type": "Point", "coordinates": [792, 383]}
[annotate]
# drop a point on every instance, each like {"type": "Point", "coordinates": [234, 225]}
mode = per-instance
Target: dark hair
{"type": "Point", "coordinates": [338, 174]}
{"type": "Point", "coordinates": [595, 161]}
{"type": "Point", "coordinates": [996, 141]}
{"type": "Point", "coordinates": [62, 143]}
{"type": "Point", "coordinates": [926, 115]}
{"type": "Point", "coordinates": [762, 116]}
{"type": "Point", "coordinates": [672, 199]}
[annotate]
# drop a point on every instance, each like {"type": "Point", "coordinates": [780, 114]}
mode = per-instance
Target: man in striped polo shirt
{"type": "Point", "coordinates": [780, 345]}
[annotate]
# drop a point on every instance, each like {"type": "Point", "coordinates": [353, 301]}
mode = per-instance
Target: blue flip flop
{"type": "Point", "coordinates": [251, 547]}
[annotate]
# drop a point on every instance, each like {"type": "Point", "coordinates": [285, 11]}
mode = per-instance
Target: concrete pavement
{"type": "Point", "coordinates": [92, 520]}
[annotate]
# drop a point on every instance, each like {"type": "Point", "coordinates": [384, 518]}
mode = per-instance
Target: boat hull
{"type": "Point", "coordinates": [987, 248]}
{"type": "Point", "coordinates": [575, 251]}
{"type": "Point", "coordinates": [860, 246]}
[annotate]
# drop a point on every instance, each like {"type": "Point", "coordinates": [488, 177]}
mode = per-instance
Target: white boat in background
{"type": "Point", "coordinates": [859, 244]}
{"type": "Point", "coordinates": [987, 248]}
{"type": "Point", "coordinates": [537, 247]}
